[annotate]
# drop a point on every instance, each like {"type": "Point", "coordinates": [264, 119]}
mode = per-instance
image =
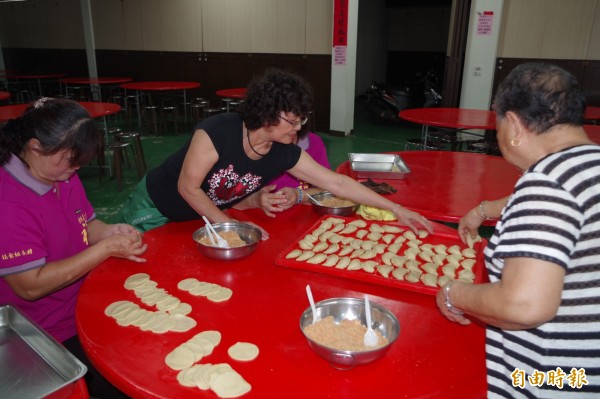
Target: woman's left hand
{"type": "Point", "coordinates": [126, 230]}
{"type": "Point", "coordinates": [441, 304]}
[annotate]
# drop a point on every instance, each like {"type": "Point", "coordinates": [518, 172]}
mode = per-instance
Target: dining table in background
{"type": "Point", "coordinates": [159, 86]}
{"type": "Point", "coordinates": [456, 119]}
{"type": "Point", "coordinates": [432, 357]}
{"type": "Point", "coordinates": [37, 77]}
{"type": "Point", "coordinates": [592, 114]}
{"type": "Point", "coordinates": [445, 185]}
{"type": "Point", "coordinates": [593, 132]}
{"type": "Point", "coordinates": [231, 94]}
{"type": "Point", "coordinates": [95, 83]}
{"type": "Point", "coordinates": [4, 95]}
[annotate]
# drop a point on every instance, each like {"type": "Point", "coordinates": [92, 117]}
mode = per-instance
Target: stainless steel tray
{"type": "Point", "coordinates": [32, 363]}
{"type": "Point", "coordinates": [378, 166]}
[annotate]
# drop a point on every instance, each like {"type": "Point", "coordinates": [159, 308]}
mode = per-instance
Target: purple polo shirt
{"type": "Point", "coordinates": [41, 223]}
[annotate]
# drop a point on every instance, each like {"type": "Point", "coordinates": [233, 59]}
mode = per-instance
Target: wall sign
{"type": "Point", "coordinates": [484, 23]}
{"type": "Point", "coordinates": [340, 31]}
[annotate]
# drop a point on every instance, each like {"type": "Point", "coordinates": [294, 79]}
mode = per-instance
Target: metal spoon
{"type": "Point", "coordinates": [313, 199]}
{"type": "Point", "coordinates": [370, 338]}
{"type": "Point", "coordinates": [221, 242]}
{"type": "Point", "coordinates": [315, 316]}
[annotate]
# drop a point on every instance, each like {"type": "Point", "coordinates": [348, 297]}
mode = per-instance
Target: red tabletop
{"type": "Point", "coordinates": [95, 81]}
{"type": "Point", "coordinates": [445, 185]}
{"type": "Point", "coordinates": [232, 93]}
{"type": "Point", "coordinates": [160, 86]}
{"type": "Point", "coordinates": [455, 118]}
{"type": "Point", "coordinates": [432, 358]}
{"type": "Point", "coordinates": [4, 95]}
{"type": "Point", "coordinates": [592, 113]}
{"type": "Point", "coordinates": [95, 109]}
{"type": "Point", "coordinates": [593, 132]}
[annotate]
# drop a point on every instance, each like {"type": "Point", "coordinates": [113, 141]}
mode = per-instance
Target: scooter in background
{"type": "Point", "coordinates": [385, 101]}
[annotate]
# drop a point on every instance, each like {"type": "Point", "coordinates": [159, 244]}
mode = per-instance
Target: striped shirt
{"type": "Point", "coordinates": [553, 215]}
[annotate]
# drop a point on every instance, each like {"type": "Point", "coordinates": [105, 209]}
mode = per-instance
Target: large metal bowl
{"type": "Point", "coordinates": [250, 234]}
{"type": "Point", "coordinates": [339, 211]}
{"type": "Point", "coordinates": [382, 319]}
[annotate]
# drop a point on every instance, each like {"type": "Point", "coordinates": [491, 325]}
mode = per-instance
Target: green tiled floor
{"type": "Point", "coordinates": [366, 137]}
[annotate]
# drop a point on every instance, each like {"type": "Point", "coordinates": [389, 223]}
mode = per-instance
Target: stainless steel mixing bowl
{"type": "Point", "coordinates": [383, 321]}
{"type": "Point", "coordinates": [247, 232]}
{"type": "Point", "coordinates": [339, 211]}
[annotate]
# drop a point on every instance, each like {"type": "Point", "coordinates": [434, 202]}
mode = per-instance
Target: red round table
{"type": "Point", "coordinates": [445, 185]}
{"type": "Point", "coordinates": [160, 86]}
{"type": "Point", "coordinates": [4, 95]}
{"type": "Point", "coordinates": [592, 114]}
{"type": "Point", "coordinates": [238, 93]}
{"type": "Point", "coordinates": [95, 109]}
{"type": "Point", "coordinates": [593, 132]}
{"type": "Point", "coordinates": [95, 83]}
{"type": "Point", "coordinates": [35, 76]}
{"type": "Point", "coordinates": [459, 119]}
{"type": "Point", "coordinates": [432, 358]}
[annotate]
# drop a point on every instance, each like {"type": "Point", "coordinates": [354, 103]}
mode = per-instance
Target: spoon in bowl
{"type": "Point", "coordinates": [221, 242]}
{"type": "Point", "coordinates": [315, 316]}
{"type": "Point", "coordinates": [370, 338]}
{"type": "Point", "coordinates": [313, 199]}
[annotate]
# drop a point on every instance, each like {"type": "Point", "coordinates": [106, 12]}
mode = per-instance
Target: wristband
{"type": "Point", "coordinates": [300, 195]}
{"type": "Point", "coordinates": [449, 306]}
{"type": "Point", "coordinates": [486, 217]}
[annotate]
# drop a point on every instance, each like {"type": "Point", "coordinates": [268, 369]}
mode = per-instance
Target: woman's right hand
{"type": "Point", "coordinates": [126, 246]}
{"type": "Point", "coordinates": [469, 224]}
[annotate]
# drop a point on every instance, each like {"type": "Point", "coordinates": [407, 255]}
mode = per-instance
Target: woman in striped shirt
{"type": "Point", "coordinates": [542, 305]}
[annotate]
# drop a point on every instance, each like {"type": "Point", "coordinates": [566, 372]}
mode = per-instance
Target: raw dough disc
{"type": "Point", "coordinates": [221, 295]}
{"type": "Point", "coordinates": [243, 351]}
{"type": "Point", "coordinates": [213, 336]}
{"type": "Point", "coordinates": [136, 280]}
{"type": "Point", "coordinates": [229, 384]}
{"type": "Point", "coordinates": [182, 323]}
{"type": "Point", "coordinates": [180, 358]}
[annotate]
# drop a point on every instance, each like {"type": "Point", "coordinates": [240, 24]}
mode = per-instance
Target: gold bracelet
{"type": "Point", "coordinates": [486, 217]}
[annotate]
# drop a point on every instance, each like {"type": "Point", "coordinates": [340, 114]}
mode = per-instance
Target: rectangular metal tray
{"type": "Point", "coordinates": [33, 364]}
{"type": "Point", "coordinates": [377, 278]}
{"type": "Point", "coordinates": [378, 166]}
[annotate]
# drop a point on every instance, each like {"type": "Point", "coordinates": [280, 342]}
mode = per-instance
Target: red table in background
{"type": "Point", "coordinates": [160, 86]}
{"type": "Point", "coordinates": [450, 118]}
{"type": "Point", "coordinates": [35, 76]}
{"type": "Point", "coordinates": [592, 114]}
{"type": "Point", "coordinates": [94, 82]}
{"type": "Point", "coordinates": [231, 94]}
{"type": "Point", "coordinates": [445, 185]}
{"type": "Point", "coordinates": [593, 132]}
{"type": "Point", "coordinates": [95, 109]}
{"type": "Point", "coordinates": [4, 95]}
{"type": "Point", "coordinates": [432, 358]}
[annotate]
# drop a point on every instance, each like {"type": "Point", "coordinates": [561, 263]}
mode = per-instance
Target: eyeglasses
{"type": "Point", "coordinates": [301, 122]}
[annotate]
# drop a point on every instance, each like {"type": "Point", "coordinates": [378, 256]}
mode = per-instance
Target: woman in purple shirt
{"type": "Point", "coordinates": [50, 237]}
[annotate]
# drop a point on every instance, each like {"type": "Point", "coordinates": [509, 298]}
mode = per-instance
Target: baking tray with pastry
{"type": "Point", "coordinates": [385, 253]}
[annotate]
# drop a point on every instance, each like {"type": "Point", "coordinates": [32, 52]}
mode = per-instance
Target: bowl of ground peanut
{"type": "Point", "coordinates": [337, 335]}
{"type": "Point", "coordinates": [243, 239]}
{"type": "Point", "coordinates": [327, 203]}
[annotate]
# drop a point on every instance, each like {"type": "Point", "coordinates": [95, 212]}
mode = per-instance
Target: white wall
{"type": "Point", "coordinates": [480, 57]}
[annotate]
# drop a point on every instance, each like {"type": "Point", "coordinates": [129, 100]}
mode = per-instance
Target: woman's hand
{"type": "Point", "coordinates": [469, 224]}
{"type": "Point", "coordinates": [126, 230]}
{"type": "Point", "coordinates": [411, 219]}
{"type": "Point", "coordinates": [440, 300]}
{"type": "Point", "coordinates": [274, 202]}
{"type": "Point", "coordinates": [125, 246]}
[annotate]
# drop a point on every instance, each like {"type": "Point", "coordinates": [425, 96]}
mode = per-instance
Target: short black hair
{"type": "Point", "coordinates": [543, 95]}
{"type": "Point", "coordinates": [271, 93]}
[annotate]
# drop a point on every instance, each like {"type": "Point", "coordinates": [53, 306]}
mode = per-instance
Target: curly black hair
{"type": "Point", "coordinates": [543, 95]}
{"type": "Point", "coordinates": [58, 124]}
{"type": "Point", "coordinates": [271, 93]}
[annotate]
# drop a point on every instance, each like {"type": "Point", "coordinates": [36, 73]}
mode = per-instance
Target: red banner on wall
{"type": "Point", "coordinates": [340, 23]}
